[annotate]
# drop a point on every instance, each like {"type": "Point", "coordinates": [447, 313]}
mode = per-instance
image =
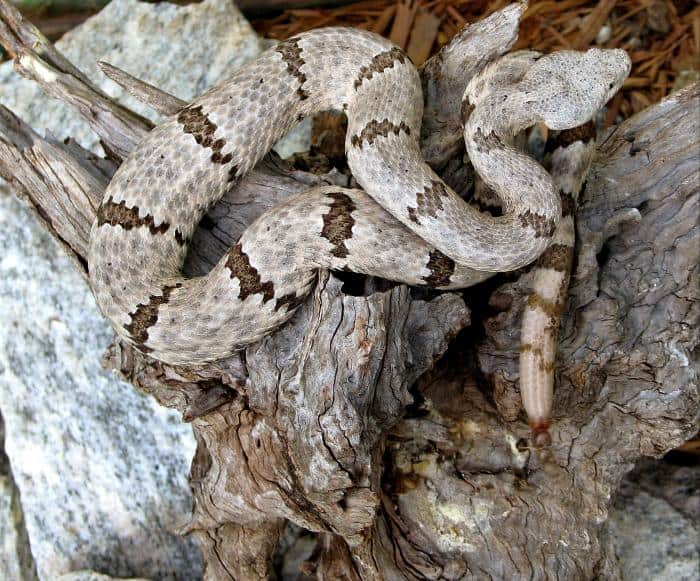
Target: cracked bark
{"type": "Point", "coordinates": [389, 423]}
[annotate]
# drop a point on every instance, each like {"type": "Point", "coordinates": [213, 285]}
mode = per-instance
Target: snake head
{"type": "Point", "coordinates": [575, 85]}
{"type": "Point", "coordinates": [613, 67]}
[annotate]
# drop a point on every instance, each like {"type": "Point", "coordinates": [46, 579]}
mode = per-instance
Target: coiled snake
{"type": "Point", "coordinates": [407, 225]}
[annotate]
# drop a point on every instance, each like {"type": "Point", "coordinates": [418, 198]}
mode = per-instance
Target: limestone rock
{"type": "Point", "coordinates": [92, 576]}
{"type": "Point", "coordinates": [676, 482]}
{"type": "Point", "coordinates": [101, 469]}
{"type": "Point", "coordinates": [180, 49]}
{"type": "Point", "coordinates": [15, 560]}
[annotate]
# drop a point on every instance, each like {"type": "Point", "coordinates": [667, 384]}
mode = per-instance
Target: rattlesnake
{"type": "Point", "coordinates": [407, 225]}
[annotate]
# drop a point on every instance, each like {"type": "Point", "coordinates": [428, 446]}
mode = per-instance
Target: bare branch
{"type": "Point", "coordinates": [158, 100]}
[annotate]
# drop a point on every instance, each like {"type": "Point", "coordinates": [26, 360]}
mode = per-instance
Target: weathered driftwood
{"type": "Point", "coordinates": [349, 421]}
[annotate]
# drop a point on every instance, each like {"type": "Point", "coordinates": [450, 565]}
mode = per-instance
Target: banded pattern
{"type": "Point", "coordinates": [118, 214]}
{"type": "Point", "coordinates": [249, 282]}
{"type": "Point", "coordinates": [195, 123]}
{"type": "Point", "coordinates": [338, 223]}
{"type": "Point", "coordinates": [407, 225]}
{"type": "Point", "coordinates": [572, 154]}
{"type": "Point", "coordinates": [429, 201]}
{"type": "Point", "coordinates": [381, 62]}
{"type": "Point", "coordinates": [291, 55]}
{"type": "Point", "coordinates": [375, 129]}
{"type": "Point", "coordinates": [441, 269]}
{"type": "Point", "coordinates": [145, 316]}
{"type": "Point", "coordinates": [541, 224]}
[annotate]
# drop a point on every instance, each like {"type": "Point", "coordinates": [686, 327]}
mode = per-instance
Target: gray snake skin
{"type": "Point", "coordinates": [407, 225]}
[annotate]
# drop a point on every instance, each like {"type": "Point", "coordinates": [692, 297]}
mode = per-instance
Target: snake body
{"type": "Point", "coordinates": [406, 224]}
{"type": "Point", "coordinates": [572, 154]}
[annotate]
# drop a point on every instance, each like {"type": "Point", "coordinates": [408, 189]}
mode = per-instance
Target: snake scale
{"type": "Point", "coordinates": [405, 224]}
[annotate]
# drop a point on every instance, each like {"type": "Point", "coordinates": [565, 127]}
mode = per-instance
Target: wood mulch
{"type": "Point", "coordinates": [661, 36]}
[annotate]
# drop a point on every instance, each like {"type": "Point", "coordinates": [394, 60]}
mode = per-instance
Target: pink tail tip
{"type": "Point", "coordinates": [540, 433]}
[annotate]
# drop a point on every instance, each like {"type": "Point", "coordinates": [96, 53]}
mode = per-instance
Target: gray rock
{"type": "Point", "coordinates": [295, 548]}
{"type": "Point", "coordinates": [101, 470]}
{"type": "Point", "coordinates": [677, 483]}
{"type": "Point", "coordinates": [654, 541]}
{"type": "Point", "coordinates": [16, 563]}
{"type": "Point", "coordinates": [92, 576]}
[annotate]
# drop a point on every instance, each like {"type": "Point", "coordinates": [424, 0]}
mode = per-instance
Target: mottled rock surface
{"type": "Point", "coordinates": [182, 50]}
{"type": "Point", "coordinates": [92, 576]}
{"type": "Point", "coordinates": [675, 479]}
{"type": "Point", "coordinates": [654, 540]}
{"type": "Point", "coordinates": [101, 469]}
{"type": "Point", "coordinates": [15, 559]}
